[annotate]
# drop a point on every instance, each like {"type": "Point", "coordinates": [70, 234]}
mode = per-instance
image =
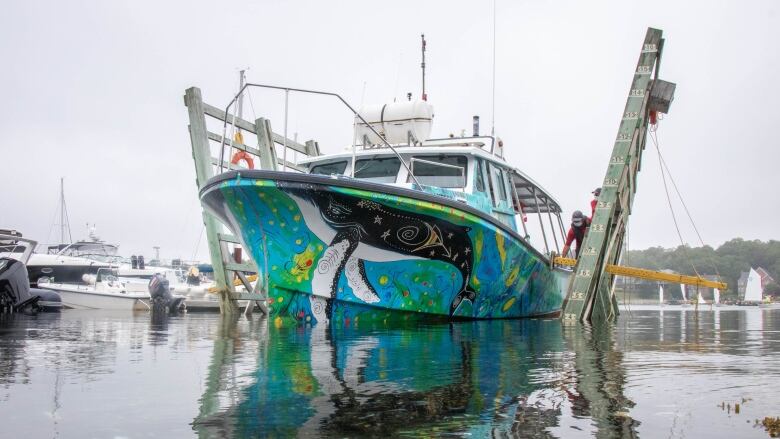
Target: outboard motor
{"type": "Point", "coordinates": [133, 262]}
{"type": "Point", "coordinates": [16, 294]}
{"type": "Point", "coordinates": [161, 298]}
{"type": "Point", "coordinates": [141, 263]}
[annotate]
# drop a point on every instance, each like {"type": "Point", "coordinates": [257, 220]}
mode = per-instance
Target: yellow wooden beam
{"type": "Point", "coordinates": [641, 273]}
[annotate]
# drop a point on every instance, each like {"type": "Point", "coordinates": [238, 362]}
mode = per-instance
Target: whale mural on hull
{"type": "Point", "coordinates": [353, 222]}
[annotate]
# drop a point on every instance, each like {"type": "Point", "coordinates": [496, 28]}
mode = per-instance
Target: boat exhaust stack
{"type": "Point", "coordinates": [476, 126]}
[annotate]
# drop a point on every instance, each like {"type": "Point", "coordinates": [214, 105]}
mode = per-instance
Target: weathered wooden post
{"type": "Point", "coordinates": [201, 154]}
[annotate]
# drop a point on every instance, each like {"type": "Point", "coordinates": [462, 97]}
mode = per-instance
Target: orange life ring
{"type": "Point", "coordinates": [243, 155]}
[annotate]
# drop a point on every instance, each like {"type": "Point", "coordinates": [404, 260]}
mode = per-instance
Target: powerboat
{"type": "Point", "coordinates": [69, 263]}
{"type": "Point", "coordinates": [102, 291]}
{"type": "Point", "coordinates": [401, 224]}
{"type": "Point", "coordinates": [15, 291]}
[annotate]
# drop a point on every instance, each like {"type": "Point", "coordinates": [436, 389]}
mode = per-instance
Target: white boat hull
{"type": "Point", "coordinates": [85, 298]}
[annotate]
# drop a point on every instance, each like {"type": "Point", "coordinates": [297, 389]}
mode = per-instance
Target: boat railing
{"type": "Point", "coordinates": [414, 160]}
{"type": "Point", "coordinates": [12, 242]}
{"type": "Point", "coordinates": [228, 141]}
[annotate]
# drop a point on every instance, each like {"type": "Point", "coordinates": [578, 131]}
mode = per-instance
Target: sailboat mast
{"type": "Point", "coordinates": [62, 210]}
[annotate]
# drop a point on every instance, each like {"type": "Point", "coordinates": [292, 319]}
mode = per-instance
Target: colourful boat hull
{"type": "Point", "coordinates": [348, 250]}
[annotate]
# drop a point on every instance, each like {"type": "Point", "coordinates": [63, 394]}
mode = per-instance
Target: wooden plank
{"type": "Point", "coordinates": [218, 138]}
{"type": "Point", "coordinates": [233, 167]}
{"type": "Point", "coordinates": [249, 126]}
{"type": "Point", "coordinates": [235, 266]}
{"type": "Point", "coordinates": [247, 296]}
{"type": "Point", "coordinates": [227, 165]}
{"type": "Point", "coordinates": [291, 165]}
{"type": "Point", "coordinates": [218, 114]}
{"type": "Point", "coordinates": [228, 238]}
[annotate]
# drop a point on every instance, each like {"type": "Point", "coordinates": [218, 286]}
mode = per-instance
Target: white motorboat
{"type": "Point", "coordinates": [69, 263]}
{"type": "Point", "coordinates": [105, 293]}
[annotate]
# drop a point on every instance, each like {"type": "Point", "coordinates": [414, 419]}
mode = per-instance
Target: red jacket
{"type": "Point", "coordinates": [577, 234]}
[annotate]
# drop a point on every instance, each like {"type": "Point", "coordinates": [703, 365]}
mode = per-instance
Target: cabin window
{"type": "Point", "coordinates": [440, 171]}
{"type": "Point", "coordinates": [329, 168]}
{"type": "Point", "coordinates": [378, 170]}
{"type": "Point", "coordinates": [515, 196]}
{"type": "Point", "coordinates": [497, 180]}
{"type": "Point", "coordinates": [479, 180]}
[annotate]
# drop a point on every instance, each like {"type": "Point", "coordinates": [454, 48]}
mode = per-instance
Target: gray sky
{"type": "Point", "coordinates": [92, 91]}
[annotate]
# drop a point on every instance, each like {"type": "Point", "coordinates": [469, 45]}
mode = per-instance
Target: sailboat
{"type": "Point", "coordinates": [699, 299]}
{"type": "Point", "coordinates": [684, 295]}
{"type": "Point", "coordinates": [661, 294]}
{"type": "Point", "coordinates": [716, 296]}
{"type": "Point", "coordinates": [753, 290]}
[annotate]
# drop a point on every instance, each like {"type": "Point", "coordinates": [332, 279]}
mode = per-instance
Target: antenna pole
{"type": "Point", "coordinates": [422, 65]}
{"type": "Point", "coordinates": [493, 116]}
{"type": "Point", "coordinates": [241, 82]}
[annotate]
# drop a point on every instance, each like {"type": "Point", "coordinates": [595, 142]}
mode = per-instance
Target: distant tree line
{"type": "Point", "coordinates": [728, 260]}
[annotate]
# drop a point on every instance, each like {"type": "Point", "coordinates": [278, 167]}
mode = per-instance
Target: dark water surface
{"type": "Point", "coordinates": [660, 372]}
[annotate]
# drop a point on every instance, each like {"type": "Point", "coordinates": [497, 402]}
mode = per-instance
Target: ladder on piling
{"type": "Point", "coordinates": [208, 164]}
{"type": "Point", "coordinates": [590, 297]}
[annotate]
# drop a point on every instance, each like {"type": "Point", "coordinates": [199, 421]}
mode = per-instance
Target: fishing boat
{"type": "Point", "coordinates": [399, 223]}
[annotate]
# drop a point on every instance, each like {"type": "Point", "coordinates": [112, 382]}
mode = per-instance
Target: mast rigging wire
{"type": "Point", "coordinates": [654, 138]}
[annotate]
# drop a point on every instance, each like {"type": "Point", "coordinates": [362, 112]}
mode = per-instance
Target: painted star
{"type": "Point", "coordinates": [386, 234]}
{"type": "Point", "coordinates": [449, 235]}
{"type": "Point", "coordinates": [432, 253]}
{"type": "Point", "coordinates": [361, 203]}
{"type": "Point", "coordinates": [377, 220]}
{"type": "Point", "coordinates": [467, 251]}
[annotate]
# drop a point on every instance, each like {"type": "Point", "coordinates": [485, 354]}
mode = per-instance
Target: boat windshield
{"type": "Point", "coordinates": [440, 171]}
{"type": "Point", "coordinates": [92, 250]}
{"type": "Point", "coordinates": [378, 170]}
{"type": "Point", "coordinates": [329, 168]}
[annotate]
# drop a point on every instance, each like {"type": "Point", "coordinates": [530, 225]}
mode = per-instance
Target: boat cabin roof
{"type": "Point", "coordinates": [534, 198]}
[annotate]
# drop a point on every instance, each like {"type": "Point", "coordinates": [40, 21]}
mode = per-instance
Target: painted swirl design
{"type": "Point", "coordinates": [329, 261]}
{"type": "Point", "coordinates": [318, 307]}
{"type": "Point", "coordinates": [410, 235]}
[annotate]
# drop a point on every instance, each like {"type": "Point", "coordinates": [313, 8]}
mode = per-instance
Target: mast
{"type": "Point", "coordinates": [422, 65]}
{"type": "Point", "coordinates": [64, 221]}
{"type": "Point", "coordinates": [62, 210]}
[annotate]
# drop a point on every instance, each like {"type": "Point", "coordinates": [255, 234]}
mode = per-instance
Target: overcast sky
{"type": "Point", "coordinates": [92, 91]}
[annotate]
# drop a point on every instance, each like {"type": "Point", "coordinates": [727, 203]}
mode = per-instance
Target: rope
{"type": "Point", "coordinates": [251, 104]}
{"type": "Point", "coordinates": [197, 245]}
{"type": "Point", "coordinates": [688, 213]}
{"type": "Point", "coordinates": [654, 138]}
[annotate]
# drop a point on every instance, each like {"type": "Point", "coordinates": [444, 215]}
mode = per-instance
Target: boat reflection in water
{"type": "Point", "coordinates": [527, 377]}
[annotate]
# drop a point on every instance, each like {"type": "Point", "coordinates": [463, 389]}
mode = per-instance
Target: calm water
{"type": "Point", "coordinates": [668, 372]}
